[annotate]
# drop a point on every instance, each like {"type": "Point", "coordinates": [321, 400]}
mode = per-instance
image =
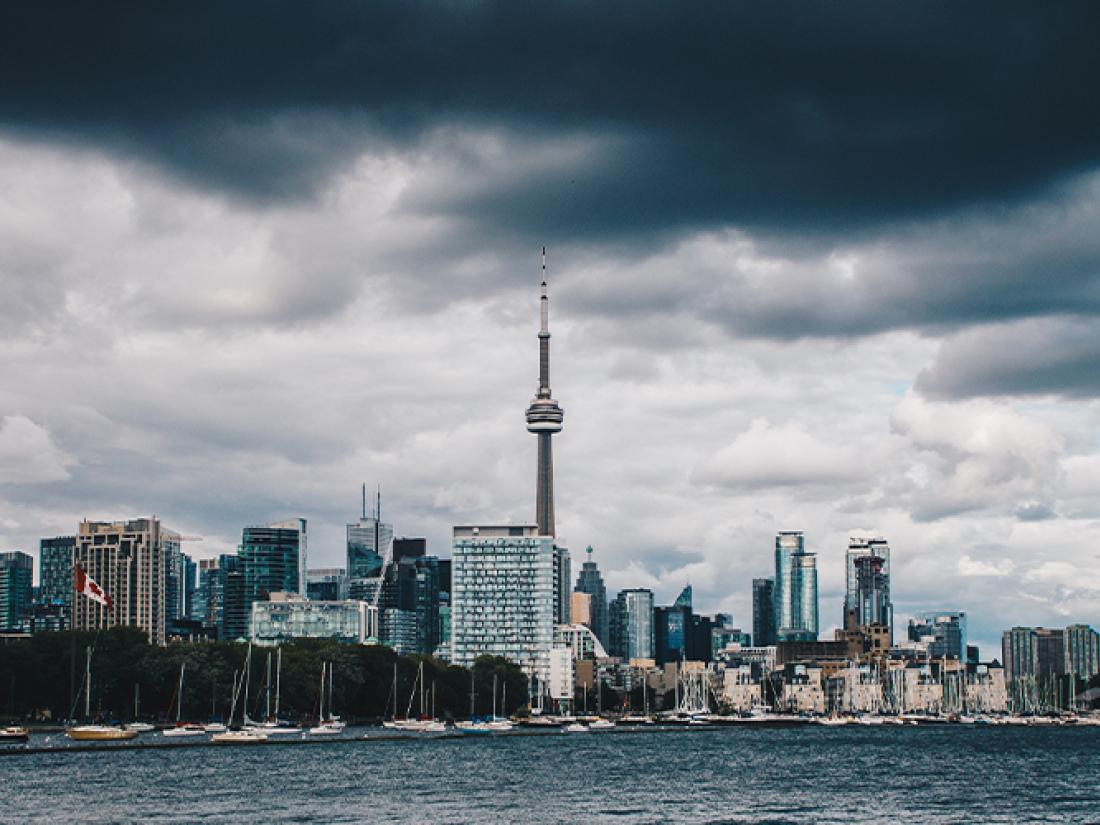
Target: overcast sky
{"type": "Point", "coordinates": [820, 267]}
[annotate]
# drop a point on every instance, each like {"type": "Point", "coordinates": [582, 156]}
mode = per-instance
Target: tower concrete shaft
{"type": "Point", "coordinates": [544, 418]}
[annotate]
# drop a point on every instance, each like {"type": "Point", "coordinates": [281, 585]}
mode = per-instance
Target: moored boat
{"type": "Point", "coordinates": [100, 733]}
{"type": "Point", "coordinates": [14, 733]}
{"type": "Point", "coordinates": [239, 737]}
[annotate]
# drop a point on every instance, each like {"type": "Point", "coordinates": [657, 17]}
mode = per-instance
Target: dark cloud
{"type": "Point", "coordinates": [1037, 357]}
{"type": "Point", "coordinates": [777, 115]}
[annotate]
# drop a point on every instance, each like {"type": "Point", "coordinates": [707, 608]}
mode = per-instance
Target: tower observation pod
{"type": "Point", "coordinates": [544, 418]}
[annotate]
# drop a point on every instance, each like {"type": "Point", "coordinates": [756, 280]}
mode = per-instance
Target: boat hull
{"type": "Point", "coordinates": [100, 734]}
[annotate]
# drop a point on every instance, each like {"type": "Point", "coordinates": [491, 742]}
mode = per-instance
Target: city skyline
{"type": "Point", "coordinates": [850, 309]}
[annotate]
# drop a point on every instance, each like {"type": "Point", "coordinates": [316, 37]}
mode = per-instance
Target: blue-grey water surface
{"type": "Point", "coordinates": [935, 774]}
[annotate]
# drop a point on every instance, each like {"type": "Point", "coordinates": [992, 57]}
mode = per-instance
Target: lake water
{"type": "Point", "coordinates": [849, 774]}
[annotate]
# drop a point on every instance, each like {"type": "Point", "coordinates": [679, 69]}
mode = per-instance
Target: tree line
{"type": "Point", "coordinates": [42, 678]}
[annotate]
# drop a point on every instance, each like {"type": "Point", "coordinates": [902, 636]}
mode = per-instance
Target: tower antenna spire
{"type": "Point", "coordinates": [364, 511]}
{"type": "Point", "coordinates": [544, 418]}
{"type": "Point", "coordinates": [378, 504]}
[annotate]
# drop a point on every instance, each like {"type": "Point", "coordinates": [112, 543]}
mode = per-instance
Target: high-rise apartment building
{"type": "Point", "coordinates": [632, 625]}
{"type": "Point", "coordinates": [871, 605]}
{"type": "Point", "coordinates": [502, 595]}
{"type": "Point", "coordinates": [128, 559]}
{"type": "Point", "coordinates": [1032, 653]}
{"type": "Point", "coordinates": [16, 574]}
{"type": "Point", "coordinates": [369, 540]}
{"type": "Point", "coordinates": [763, 612]}
{"type": "Point", "coordinates": [1082, 651]}
{"type": "Point", "coordinates": [179, 586]}
{"type": "Point", "coordinates": [299, 526]}
{"type": "Point", "coordinates": [591, 582]}
{"type": "Point", "coordinates": [942, 633]}
{"type": "Point", "coordinates": [860, 547]}
{"type": "Point", "coordinates": [796, 616]}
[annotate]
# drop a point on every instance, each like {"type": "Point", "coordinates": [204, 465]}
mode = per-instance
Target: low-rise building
{"type": "Point", "coordinates": [288, 616]}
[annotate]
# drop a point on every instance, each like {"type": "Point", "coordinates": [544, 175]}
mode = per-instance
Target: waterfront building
{"type": "Point", "coordinates": [941, 633]}
{"type": "Point", "coordinates": [179, 585]}
{"type": "Point", "coordinates": [128, 559]}
{"type": "Point", "coordinates": [803, 688]}
{"type": "Point", "coordinates": [16, 574]}
{"type": "Point", "coordinates": [299, 526]}
{"type": "Point", "coordinates": [858, 548]}
{"type": "Point", "coordinates": [590, 582]}
{"type": "Point", "coordinates": [871, 604]}
{"type": "Point", "coordinates": [631, 619]}
{"type": "Point", "coordinates": [502, 596]}
{"type": "Point", "coordinates": [326, 584]}
{"type": "Point", "coordinates": [544, 418]}
{"type": "Point", "coordinates": [55, 570]}
{"type": "Point", "coordinates": [287, 616]}
{"type": "Point", "coordinates": [741, 688]}
{"type": "Point", "coordinates": [270, 559]}
{"type": "Point", "coordinates": [725, 637]}
{"type": "Point", "coordinates": [763, 612]}
{"type": "Point", "coordinates": [795, 588]}
{"type": "Point", "coordinates": [1082, 651]}
{"type": "Point", "coordinates": [1032, 653]}
{"type": "Point", "coordinates": [220, 602]}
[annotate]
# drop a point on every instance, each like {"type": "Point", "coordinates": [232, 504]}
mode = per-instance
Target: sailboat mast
{"type": "Point", "coordinates": [494, 696]}
{"type": "Point", "coordinates": [321, 709]}
{"type": "Point", "coordinates": [331, 666]}
{"type": "Point", "coordinates": [247, 676]}
{"type": "Point", "coordinates": [179, 694]}
{"type": "Point", "coordinates": [88, 683]}
{"type": "Point", "coordinates": [136, 701]}
{"type": "Point", "coordinates": [278, 678]}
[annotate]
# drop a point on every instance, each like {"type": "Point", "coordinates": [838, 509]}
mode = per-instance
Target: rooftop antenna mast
{"type": "Point", "coordinates": [364, 513]}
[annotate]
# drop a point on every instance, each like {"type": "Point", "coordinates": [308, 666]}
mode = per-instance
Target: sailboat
{"type": "Point", "coordinates": [182, 728]}
{"type": "Point", "coordinates": [326, 725]}
{"type": "Point", "coordinates": [423, 724]}
{"type": "Point", "coordinates": [140, 727]}
{"type": "Point", "coordinates": [497, 724]}
{"type": "Point", "coordinates": [95, 733]}
{"type": "Point", "coordinates": [245, 735]}
{"type": "Point", "coordinates": [472, 725]}
{"type": "Point", "coordinates": [272, 725]}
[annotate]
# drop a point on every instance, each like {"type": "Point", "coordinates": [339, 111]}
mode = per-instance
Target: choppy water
{"type": "Point", "coordinates": [941, 774]}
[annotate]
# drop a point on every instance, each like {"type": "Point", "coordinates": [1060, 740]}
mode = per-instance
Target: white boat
{"type": "Point", "coordinates": [214, 727]}
{"type": "Point", "coordinates": [185, 730]}
{"type": "Point", "coordinates": [327, 725]}
{"type": "Point", "coordinates": [831, 721]}
{"type": "Point", "coordinates": [276, 728]}
{"type": "Point", "coordinates": [239, 737]}
{"type": "Point", "coordinates": [635, 719]}
{"type": "Point", "coordinates": [500, 725]}
{"type": "Point", "coordinates": [575, 727]}
{"type": "Point", "coordinates": [329, 728]}
{"type": "Point", "coordinates": [141, 727]}
{"type": "Point", "coordinates": [601, 724]}
{"type": "Point", "coordinates": [14, 733]}
{"type": "Point", "coordinates": [472, 727]}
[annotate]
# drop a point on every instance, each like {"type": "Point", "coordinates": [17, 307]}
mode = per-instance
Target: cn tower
{"type": "Point", "coordinates": [544, 418]}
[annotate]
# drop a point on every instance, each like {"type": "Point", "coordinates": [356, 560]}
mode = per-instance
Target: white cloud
{"type": "Point", "coordinates": [28, 454]}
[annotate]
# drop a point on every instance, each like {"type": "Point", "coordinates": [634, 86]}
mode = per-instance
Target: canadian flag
{"type": "Point", "coordinates": [85, 585]}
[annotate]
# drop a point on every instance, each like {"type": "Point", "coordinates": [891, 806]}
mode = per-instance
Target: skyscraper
{"type": "Point", "coordinates": [591, 582]}
{"type": "Point", "coordinates": [128, 559]}
{"type": "Point", "coordinates": [502, 595]}
{"type": "Point", "coordinates": [872, 597]}
{"type": "Point", "coordinates": [795, 588]}
{"type": "Point", "coordinates": [859, 547]}
{"type": "Point", "coordinates": [1032, 652]}
{"type": "Point", "coordinates": [299, 525]}
{"type": "Point", "coordinates": [55, 569]}
{"type": "Point", "coordinates": [563, 575]}
{"type": "Point", "coordinates": [763, 612]}
{"type": "Point", "coordinates": [369, 540]}
{"type": "Point", "coordinates": [544, 418]}
{"type": "Point", "coordinates": [631, 624]}
{"type": "Point", "coordinates": [16, 571]}
{"type": "Point", "coordinates": [269, 560]}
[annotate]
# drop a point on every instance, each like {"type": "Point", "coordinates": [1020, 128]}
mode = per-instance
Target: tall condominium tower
{"type": "Point", "coordinates": [502, 595]}
{"type": "Point", "coordinates": [544, 418]}
{"type": "Point", "coordinates": [270, 560]}
{"type": "Point", "coordinates": [872, 603]}
{"type": "Point", "coordinates": [858, 548]}
{"type": "Point", "coordinates": [369, 541]}
{"type": "Point", "coordinates": [129, 560]}
{"type": "Point", "coordinates": [1082, 651]}
{"type": "Point", "coordinates": [631, 620]}
{"type": "Point", "coordinates": [16, 569]}
{"type": "Point", "coordinates": [591, 582]}
{"type": "Point", "coordinates": [795, 588]}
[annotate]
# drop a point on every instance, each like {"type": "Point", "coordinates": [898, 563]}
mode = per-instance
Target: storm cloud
{"type": "Point", "coordinates": [813, 266]}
